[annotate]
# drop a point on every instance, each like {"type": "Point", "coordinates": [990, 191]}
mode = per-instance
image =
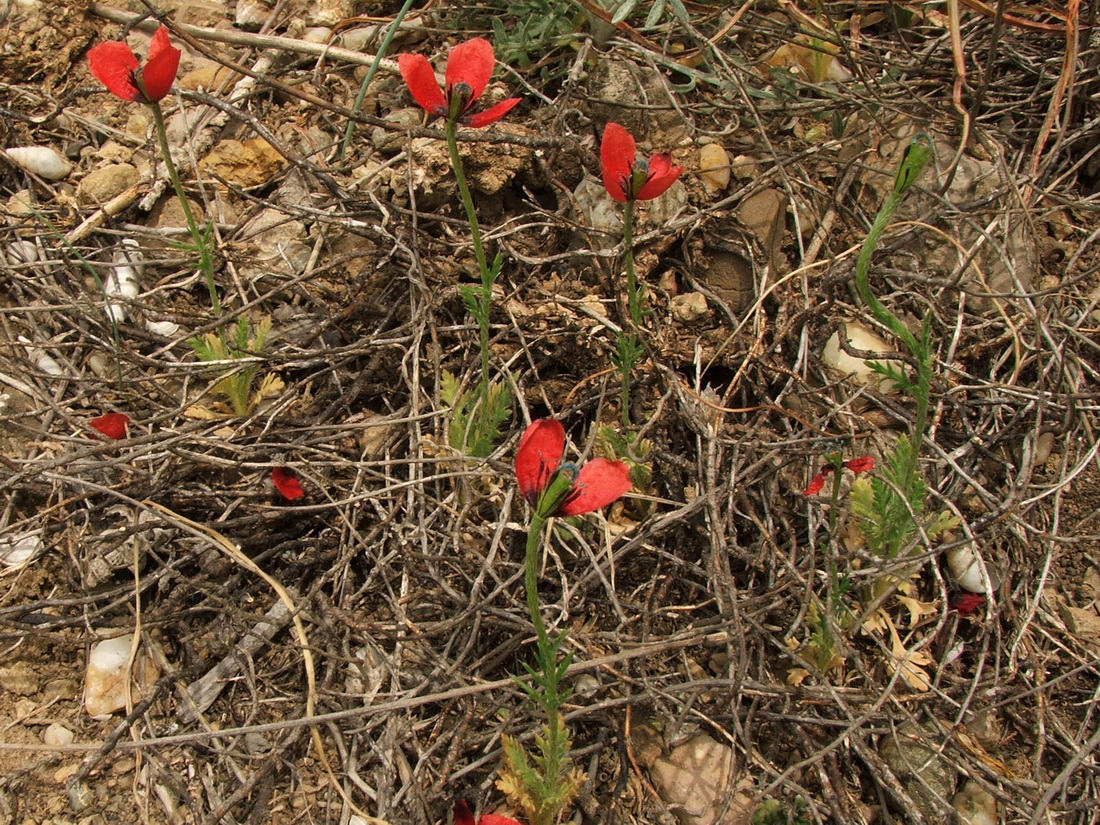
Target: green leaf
{"type": "Point", "coordinates": [623, 12]}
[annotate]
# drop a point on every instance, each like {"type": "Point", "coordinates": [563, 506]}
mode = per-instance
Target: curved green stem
{"type": "Point", "coordinates": [916, 156]}
{"type": "Point", "coordinates": [479, 252]}
{"type": "Point", "coordinates": [349, 131]}
{"type": "Point", "coordinates": [192, 225]}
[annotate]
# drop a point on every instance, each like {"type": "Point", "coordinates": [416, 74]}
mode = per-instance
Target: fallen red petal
{"type": "Point", "coordinates": [599, 483]}
{"type": "Point", "coordinates": [287, 483]}
{"type": "Point", "coordinates": [968, 603]}
{"type": "Point", "coordinates": [817, 484]}
{"type": "Point", "coordinates": [112, 425]}
{"type": "Point", "coordinates": [863, 464]}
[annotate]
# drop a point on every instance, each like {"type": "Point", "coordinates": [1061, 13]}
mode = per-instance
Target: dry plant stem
{"type": "Point", "coordinates": [192, 225]}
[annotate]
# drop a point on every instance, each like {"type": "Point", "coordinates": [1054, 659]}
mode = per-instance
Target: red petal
{"type": "Point", "coordinates": [817, 483]}
{"type": "Point", "coordinates": [600, 482]}
{"type": "Point", "coordinates": [161, 67]}
{"type": "Point", "coordinates": [617, 153]}
{"type": "Point", "coordinates": [967, 603]}
{"type": "Point", "coordinates": [494, 819]}
{"type": "Point", "coordinates": [463, 815]}
{"type": "Point", "coordinates": [287, 483]}
{"type": "Point", "coordinates": [662, 174]}
{"type": "Point", "coordinates": [492, 114]}
{"type": "Point", "coordinates": [863, 464]}
{"type": "Point", "coordinates": [471, 63]}
{"type": "Point", "coordinates": [538, 456]}
{"type": "Point", "coordinates": [113, 63]}
{"type": "Point", "coordinates": [420, 78]}
{"type": "Point", "coordinates": [112, 425]}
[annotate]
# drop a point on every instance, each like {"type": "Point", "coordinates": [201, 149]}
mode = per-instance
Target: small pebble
{"type": "Point", "coordinates": [57, 734]}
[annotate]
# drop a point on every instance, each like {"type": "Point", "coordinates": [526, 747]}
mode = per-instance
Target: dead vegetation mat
{"type": "Point", "coordinates": [689, 605]}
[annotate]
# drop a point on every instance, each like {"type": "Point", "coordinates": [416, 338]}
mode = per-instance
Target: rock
{"type": "Point", "coordinates": [597, 210]}
{"type": "Point", "coordinates": [926, 775]}
{"type": "Point", "coordinates": [392, 140]}
{"type": "Point", "coordinates": [329, 12]}
{"type": "Point", "coordinates": [169, 213]}
{"type": "Point", "coordinates": [714, 168]}
{"type": "Point", "coordinates": [20, 678]}
{"type": "Point", "coordinates": [856, 369]}
{"type": "Point", "coordinates": [764, 214]}
{"type": "Point", "coordinates": [57, 734]}
{"type": "Point", "coordinates": [622, 80]}
{"type": "Point", "coordinates": [251, 14]}
{"type": "Point", "coordinates": [974, 805]}
{"type": "Point", "coordinates": [489, 166]}
{"type": "Point", "coordinates": [105, 677]}
{"type": "Point", "coordinates": [693, 778]}
{"type": "Point", "coordinates": [275, 243]}
{"type": "Point", "coordinates": [689, 307]}
{"type": "Point", "coordinates": [208, 77]}
{"type": "Point", "coordinates": [661, 210]}
{"type": "Point", "coordinates": [317, 34]}
{"type": "Point", "coordinates": [206, 13]}
{"type": "Point", "coordinates": [21, 204]}
{"type": "Point", "coordinates": [245, 164]}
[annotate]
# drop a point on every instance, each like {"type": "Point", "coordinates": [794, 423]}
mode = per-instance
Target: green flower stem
{"type": "Point", "coordinates": [634, 296]}
{"type": "Point", "coordinates": [916, 156]}
{"type": "Point", "coordinates": [837, 462]}
{"type": "Point", "coordinates": [192, 225]}
{"type": "Point", "coordinates": [547, 694]}
{"type": "Point", "coordinates": [349, 131]}
{"type": "Point", "coordinates": [479, 252]}
{"type": "Point", "coordinates": [531, 583]}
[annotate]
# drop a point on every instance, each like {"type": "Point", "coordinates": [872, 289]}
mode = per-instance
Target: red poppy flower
{"type": "Point", "coordinates": [463, 816]}
{"type": "Point", "coordinates": [863, 464]}
{"type": "Point", "coordinates": [626, 177]}
{"type": "Point", "coordinates": [538, 460]}
{"type": "Point", "coordinates": [112, 425]}
{"type": "Point", "coordinates": [116, 66]}
{"type": "Point", "coordinates": [469, 67]}
{"type": "Point", "coordinates": [287, 483]}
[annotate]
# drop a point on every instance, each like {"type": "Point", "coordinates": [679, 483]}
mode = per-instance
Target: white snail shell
{"type": "Point", "coordinates": [41, 160]}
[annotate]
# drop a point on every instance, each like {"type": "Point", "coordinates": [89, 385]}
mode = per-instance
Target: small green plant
{"type": "Point", "coordinates": [629, 179]}
{"type": "Point", "coordinates": [890, 507]}
{"type": "Point", "coordinates": [476, 419]}
{"type": "Point", "coordinates": [773, 812]}
{"type": "Point", "coordinates": [525, 32]}
{"type": "Point", "coordinates": [543, 783]}
{"type": "Point", "coordinates": [236, 384]}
